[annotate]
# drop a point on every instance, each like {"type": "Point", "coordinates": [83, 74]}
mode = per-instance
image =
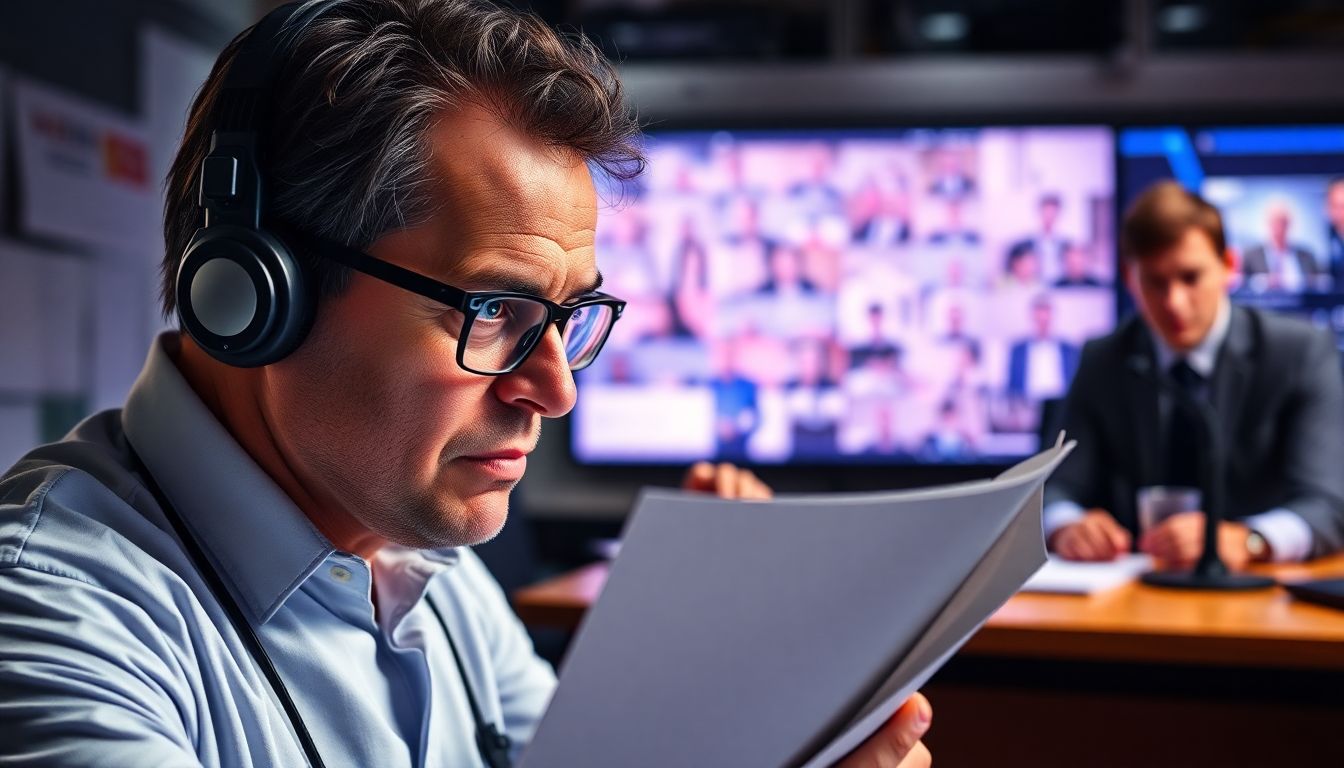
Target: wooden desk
{"type": "Point", "coordinates": [1132, 623]}
{"type": "Point", "coordinates": [1189, 678]}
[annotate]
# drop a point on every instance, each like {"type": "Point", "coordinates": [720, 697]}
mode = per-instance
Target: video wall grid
{"type": "Point", "coordinates": [859, 297]}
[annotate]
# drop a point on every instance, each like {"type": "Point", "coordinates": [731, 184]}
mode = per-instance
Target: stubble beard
{"type": "Point", "coordinates": [432, 516]}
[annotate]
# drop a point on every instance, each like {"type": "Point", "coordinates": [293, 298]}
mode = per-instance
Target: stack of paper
{"type": "Point", "coordinates": [784, 632]}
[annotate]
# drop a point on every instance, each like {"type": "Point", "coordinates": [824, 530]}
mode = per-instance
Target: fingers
{"type": "Point", "coordinates": [1232, 547]}
{"type": "Point", "coordinates": [1109, 539]}
{"type": "Point", "coordinates": [1074, 543]}
{"type": "Point", "coordinates": [1120, 540]}
{"type": "Point", "coordinates": [919, 757]}
{"type": "Point", "coordinates": [700, 477]}
{"type": "Point", "coordinates": [1176, 541]}
{"type": "Point", "coordinates": [1064, 542]}
{"type": "Point", "coordinates": [1098, 543]}
{"type": "Point", "coordinates": [1179, 539]}
{"type": "Point", "coordinates": [727, 481]}
{"type": "Point", "coordinates": [1095, 537]}
{"type": "Point", "coordinates": [749, 486]}
{"type": "Point", "coordinates": [897, 744]}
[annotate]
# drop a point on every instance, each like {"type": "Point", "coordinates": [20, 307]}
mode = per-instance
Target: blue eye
{"type": "Point", "coordinates": [491, 310]}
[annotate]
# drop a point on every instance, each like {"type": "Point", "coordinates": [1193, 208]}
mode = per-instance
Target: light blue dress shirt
{"type": "Point", "coordinates": [1288, 535]}
{"type": "Point", "coordinates": [113, 652]}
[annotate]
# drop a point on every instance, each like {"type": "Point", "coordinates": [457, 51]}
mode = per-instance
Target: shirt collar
{"type": "Point", "coordinates": [264, 546]}
{"type": "Point", "coordinates": [1204, 356]}
{"type": "Point", "coordinates": [403, 575]}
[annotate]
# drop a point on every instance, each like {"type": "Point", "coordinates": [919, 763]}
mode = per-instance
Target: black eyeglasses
{"type": "Point", "coordinates": [499, 328]}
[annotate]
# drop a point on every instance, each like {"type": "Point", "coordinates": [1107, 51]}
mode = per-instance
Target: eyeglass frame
{"type": "Point", "coordinates": [469, 303]}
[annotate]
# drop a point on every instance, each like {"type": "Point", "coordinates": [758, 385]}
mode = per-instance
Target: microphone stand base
{"type": "Point", "coordinates": [1230, 582]}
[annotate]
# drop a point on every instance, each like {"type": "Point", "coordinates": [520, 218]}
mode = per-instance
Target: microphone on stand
{"type": "Point", "coordinates": [1210, 572]}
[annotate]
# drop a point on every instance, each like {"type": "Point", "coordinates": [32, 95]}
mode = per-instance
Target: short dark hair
{"type": "Point", "coordinates": [1018, 251]}
{"type": "Point", "coordinates": [1162, 215]}
{"type": "Point", "coordinates": [345, 153]}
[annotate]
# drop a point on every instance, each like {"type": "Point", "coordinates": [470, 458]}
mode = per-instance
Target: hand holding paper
{"type": "Point", "coordinates": [788, 632]}
{"type": "Point", "coordinates": [897, 743]}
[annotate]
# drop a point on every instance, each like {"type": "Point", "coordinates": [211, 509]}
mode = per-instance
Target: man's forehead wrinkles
{"type": "Point", "coordinates": [559, 243]}
{"type": "Point", "coordinates": [542, 251]}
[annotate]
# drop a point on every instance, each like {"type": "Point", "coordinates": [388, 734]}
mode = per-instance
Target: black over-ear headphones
{"type": "Point", "coordinates": [241, 294]}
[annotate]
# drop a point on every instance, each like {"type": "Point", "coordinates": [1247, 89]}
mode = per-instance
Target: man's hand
{"type": "Point", "coordinates": [1097, 536]}
{"type": "Point", "coordinates": [1178, 542]}
{"type": "Point", "coordinates": [726, 480]}
{"type": "Point", "coordinates": [897, 744]}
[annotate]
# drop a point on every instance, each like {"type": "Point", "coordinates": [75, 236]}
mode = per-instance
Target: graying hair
{"type": "Point", "coordinates": [345, 152]}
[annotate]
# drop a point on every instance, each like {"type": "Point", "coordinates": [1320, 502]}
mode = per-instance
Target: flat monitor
{"type": "Point", "coordinates": [1280, 189]}
{"type": "Point", "coordinates": [843, 296]}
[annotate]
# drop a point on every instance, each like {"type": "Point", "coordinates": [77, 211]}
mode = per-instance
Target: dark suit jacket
{"type": "Point", "coordinates": [1335, 250]}
{"type": "Point", "coordinates": [1256, 261]}
{"type": "Point", "coordinates": [1017, 365]}
{"type": "Point", "coordinates": [1278, 389]}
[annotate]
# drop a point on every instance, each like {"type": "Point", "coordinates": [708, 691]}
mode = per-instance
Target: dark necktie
{"type": "Point", "coordinates": [1184, 432]}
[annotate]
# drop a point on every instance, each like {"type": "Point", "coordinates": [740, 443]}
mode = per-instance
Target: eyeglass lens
{"type": "Point", "coordinates": [507, 328]}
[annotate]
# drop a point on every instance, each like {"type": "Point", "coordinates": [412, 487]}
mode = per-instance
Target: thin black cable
{"type": "Point", "coordinates": [240, 623]}
{"type": "Point", "coordinates": [492, 744]}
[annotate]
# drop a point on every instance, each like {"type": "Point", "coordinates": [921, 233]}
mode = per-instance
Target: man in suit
{"type": "Point", "coordinates": [954, 230]}
{"type": "Point", "coordinates": [1278, 264]}
{"type": "Point", "coordinates": [1274, 383]}
{"type": "Point", "coordinates": [1041, 366]}
{"type": "Point", "coordinates": [1078, 269]}
{"type": "Point", "coordinates": [1050, 246]}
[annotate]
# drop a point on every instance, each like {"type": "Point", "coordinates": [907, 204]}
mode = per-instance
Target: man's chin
{"type": "Point", "coordinates": [482, 523]}
{"type": "Point", "coordinates": [1186, 342]}
{"type": "Point", "coordinates": [475, 518]}
{"type": "Point", "coordinates": [1180, 341]}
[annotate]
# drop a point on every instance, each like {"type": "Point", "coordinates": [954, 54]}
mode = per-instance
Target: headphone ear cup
{"type": "Point", "coordinates": [242, 296]}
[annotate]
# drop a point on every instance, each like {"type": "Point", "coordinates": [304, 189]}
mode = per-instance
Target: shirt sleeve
{"type": "Point", "coordinates": [1288, 535]}
{"type": "Point", "coordinates": [86, 678]}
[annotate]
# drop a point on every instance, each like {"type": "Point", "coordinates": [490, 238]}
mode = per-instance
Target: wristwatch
{"type": "Point", "coordinates": [1257, 547]}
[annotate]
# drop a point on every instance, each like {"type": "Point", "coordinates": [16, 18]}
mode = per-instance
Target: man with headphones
{"type": "Point", "coordinates": [380, 246]}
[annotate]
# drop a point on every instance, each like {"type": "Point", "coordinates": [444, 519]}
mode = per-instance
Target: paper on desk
{"type": "Point", "coordinates": [784, 632]}
{"type": "Point", "coordinates": [1072, 578]}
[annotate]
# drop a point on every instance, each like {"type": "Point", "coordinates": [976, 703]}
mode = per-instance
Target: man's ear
{"type": "Point", "coordinates": [1232, 260]}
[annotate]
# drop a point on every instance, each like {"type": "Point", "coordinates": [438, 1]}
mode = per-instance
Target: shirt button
{"type": "Point", "coordinates": [340, 573]}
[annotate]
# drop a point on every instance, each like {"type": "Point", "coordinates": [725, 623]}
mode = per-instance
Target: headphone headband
{"type": "Point", "coordinates": [246, 97]}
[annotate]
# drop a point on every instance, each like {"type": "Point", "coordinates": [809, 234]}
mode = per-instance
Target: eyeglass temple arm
{"type": "Point", "coordinates": [389, 272]}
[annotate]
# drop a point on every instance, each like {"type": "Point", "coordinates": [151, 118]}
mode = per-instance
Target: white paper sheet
{"type": "Point", "coordinates": [785, 632]}
{"type": "Point", "coordinates": [1070, 578]}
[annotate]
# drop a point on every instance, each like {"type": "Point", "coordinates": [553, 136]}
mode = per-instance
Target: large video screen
{"type": "Point", "coordinates": [1281, 192]}
{"type": "Point", "coordinates": [837, 296]}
